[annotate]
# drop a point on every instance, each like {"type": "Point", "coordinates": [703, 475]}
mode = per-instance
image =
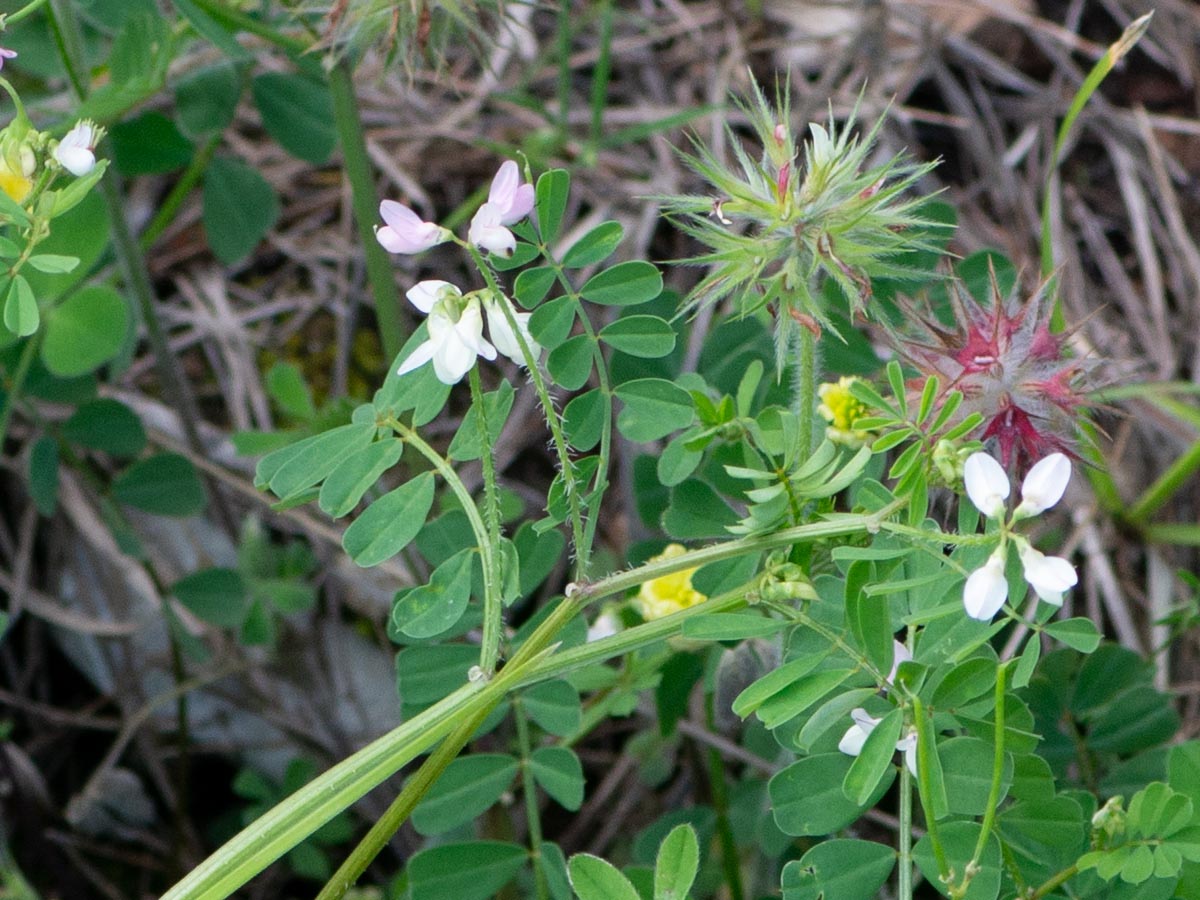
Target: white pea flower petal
{"type": "Point", "coordinates": [405, 231]}
{"type": "Point", "coordinates": [986, 588]}
{"type": "Point", "coordinates": [75, 151]}
{"type": "Point", "coordinates": [487, 231]}
{"type": "Point", "coordinates": [986, 484]}
{"type": "Point", "coordinates": [455, 334]}
{"type": "Point", "coordinates": [503, 335]}
{"type": "Point", "coordinates": [856, 735]}
{"type": "Point", "coordinates": [908, 746]}
{"type": "Point", "coordinates": [1049, 576]}
{"type": "Point", "coordinates": [424, 294]}
{"type": "Point", "coordinates": [900, 654]}
{"type": "Point", "coordinates": [508, 196]}
{"type": "Point", "coordinates": [1044, 485]}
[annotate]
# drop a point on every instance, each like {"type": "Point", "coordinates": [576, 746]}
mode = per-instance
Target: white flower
{"type": "Point", "coordinates": [986, 588]}
{"type": "Point", "coordinates": [405, 231]}
{"type": "Point", "coordinates": [508, 196]}
{"type": "Point", "coordinates": [508, 202]}
{"type": "Point", "coordinates": [455, 327]}
{"type": "Point", "coordinates": [606, 625]}
{"type": "Point", "coordinates": [503, 335]}
{"type": "Point", "coordinates": [1044, 485]}
{"type": "Point", "coordinates": [900, 654]}
{"type": "Point", "coordinates": [75, 151]}
{"type": "Point", "coordinates": [856, 736]}
{"type": "Point", "coordinates": [1049, 576]}
{"type": "Point", "coordinates": [986, 484]}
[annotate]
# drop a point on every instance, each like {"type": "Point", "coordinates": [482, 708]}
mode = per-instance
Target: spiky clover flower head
{"type": "Point", "coordinates": [775, 230]}
{"type": "Point", "coordinates": [1010, 368]}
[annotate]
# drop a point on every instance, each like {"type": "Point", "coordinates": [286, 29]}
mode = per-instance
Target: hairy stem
{"type": "Point", "coordinates": [493, 601]}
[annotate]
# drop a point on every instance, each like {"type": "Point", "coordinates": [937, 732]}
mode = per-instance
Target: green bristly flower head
{"type": "Point", "coordinates": [775, 230]}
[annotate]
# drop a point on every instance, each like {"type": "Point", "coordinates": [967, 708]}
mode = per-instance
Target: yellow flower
{"type": "Point", "coordinates": [667, 594]}
{"type": "Point", "coordinates": [841, 409]}
{"type": "Point", "coordinates": [15, 184]}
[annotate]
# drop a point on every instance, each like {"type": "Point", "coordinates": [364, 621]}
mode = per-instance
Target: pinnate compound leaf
{"type": "Point", "coordinates": [387, 525]}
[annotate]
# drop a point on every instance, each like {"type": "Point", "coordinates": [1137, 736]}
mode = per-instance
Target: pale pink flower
{"type": "Point", "coordinates": [405, 231]}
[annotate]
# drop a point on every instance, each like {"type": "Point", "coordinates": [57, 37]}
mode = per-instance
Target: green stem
{"type": "Point", "coordinates": [17, 384]}
{"type": "Point", "coordinates": [364, 199]}
{"type": "Point", "coordinates": [294, 819]}
{"type": "Point", "coordinates": [905, 886]}
{"type": "Point", "coordinates": [720, 798]}
{"type": "Point", "coordinates": [993, 801]}
{"type": "Point", "coordinates": [583, 555]}
{"type": "Point", "coordinates": [570, 485]}
{"type": "Point", "coordinates": [925, 747]}
{"type": "Point", "coordinates": [169, 208]}
{"type": "Point", "coordinates": [533, 816]}
{"type": "Point", "coordinates": [27, 10]}
{"type": "Point", "coordinates": [401, 808]}
{"type": "Point", "coordinates": [493, 601]}
{"type": "Point", "coordinates": [491, 592]}
{"type": "Point", "coordinates": [1054, 882]}
{"type": "Point", "coordinates": [806, 388]}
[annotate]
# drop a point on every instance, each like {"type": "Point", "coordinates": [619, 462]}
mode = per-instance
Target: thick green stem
{"type": "Point", "coordinates": [905, 887]}
{"type": "Point", "coordinates": [406, 801]}
{"type": "Point", "coordinates": [17, 384]}
{"type": "Point", "coordinates": [1053, 883]}
{"type": "Point", "coordinates": [993, 801]}
{"type": "Point", "coordinates": [1165, 486]}
{"type": "Point", "coordinates": [533, 816]}
{"type": "Point", "coordinates": [280, 829]}
{"type": "Point", "coordinates": [364, 199]}
{"type": "Point", "coordinates": [493, 601]}
{"type": "Point", "coordinates": [925, 747]}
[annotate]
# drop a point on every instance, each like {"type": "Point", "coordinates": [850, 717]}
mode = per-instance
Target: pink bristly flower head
{"type": "Point", "coordinates": [1010, 368]}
